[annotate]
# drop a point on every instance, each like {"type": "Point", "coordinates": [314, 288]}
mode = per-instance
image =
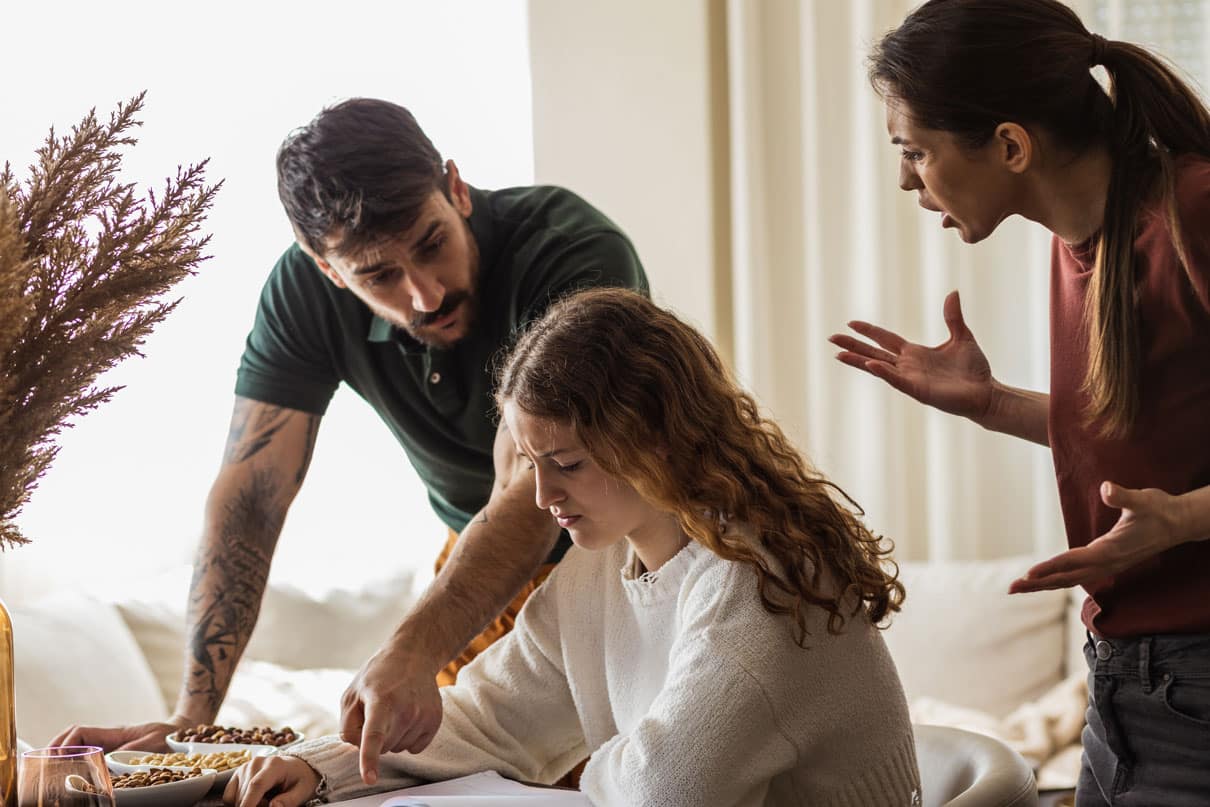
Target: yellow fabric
{"type": "Point", "coordinates": [496, 628]}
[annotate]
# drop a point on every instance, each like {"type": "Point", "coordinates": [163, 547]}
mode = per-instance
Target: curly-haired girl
{"type": "Point", "coordinates": [711, 639]}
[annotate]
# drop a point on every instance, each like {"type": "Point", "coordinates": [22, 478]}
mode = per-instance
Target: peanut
{"type": "Point", "coordinates": [219, 760]}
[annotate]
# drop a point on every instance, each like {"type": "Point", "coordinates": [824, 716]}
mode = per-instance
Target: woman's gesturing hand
{"type": "Point", "coordinates": [953, 376]}
{"type": "Point", "coordinates": [1149, 524]}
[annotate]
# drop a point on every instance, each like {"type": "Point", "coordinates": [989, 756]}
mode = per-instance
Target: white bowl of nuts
{"type": "Point", "coordinates": [206, 739]}
{"type": "Point", "coordinates": [162, 787]}
{"type": "Point", "coordinates": [222, 762]}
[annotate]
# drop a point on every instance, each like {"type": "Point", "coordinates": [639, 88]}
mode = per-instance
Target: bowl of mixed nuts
{"type": "Point", "coordinates": [162, 787]}
{"type": "Point", "coordinates": [223, 763]}
{"type": "Point", "coordinates": [206, 739]}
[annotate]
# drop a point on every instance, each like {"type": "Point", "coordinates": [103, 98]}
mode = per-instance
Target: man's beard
{"type": "Point", "coordinates": [416, 325]}
{"type": "Point", "coordinates": [448, 304]}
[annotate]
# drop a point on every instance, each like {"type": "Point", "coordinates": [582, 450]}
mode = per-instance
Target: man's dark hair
{"type": "Point", "coordinates": [359, 172]}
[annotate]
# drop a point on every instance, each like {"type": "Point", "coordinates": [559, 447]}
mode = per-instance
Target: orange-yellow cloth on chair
{"type": "Point", "coordinates": [496, 628]}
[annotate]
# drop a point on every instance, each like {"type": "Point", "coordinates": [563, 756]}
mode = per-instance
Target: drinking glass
{"type": "Point", "coordinates": [68, 776]}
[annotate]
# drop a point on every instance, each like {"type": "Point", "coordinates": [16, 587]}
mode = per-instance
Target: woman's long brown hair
{"type": "Point", "coordinates": [966, 66]}
{"type": "Point", "coordinates": [655, 406]}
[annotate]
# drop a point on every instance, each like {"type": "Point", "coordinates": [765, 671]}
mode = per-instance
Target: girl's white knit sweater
{"type": "Point", "coordinates": [680, 688]}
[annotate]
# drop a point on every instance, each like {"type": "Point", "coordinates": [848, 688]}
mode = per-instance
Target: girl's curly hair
{"type": "Point", "coordinates": [654, 405]}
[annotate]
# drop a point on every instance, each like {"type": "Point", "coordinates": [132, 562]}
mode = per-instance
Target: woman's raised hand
{"type": "Point", "coordinates": [953, 376]}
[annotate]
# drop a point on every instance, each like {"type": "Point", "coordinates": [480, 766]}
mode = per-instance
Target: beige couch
{"type": "Point", "coordinates": [969, 655]}
{"type": "Point", "coordinates": [106, 660]}
{"type": "Point", "coordinates": [972, 657]}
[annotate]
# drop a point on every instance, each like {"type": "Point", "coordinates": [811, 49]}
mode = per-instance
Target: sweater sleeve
{"type": "Point", "coordinates": [709, 738]}
{"type": "Point", "coordinates": [511, 711]}
{"type": "Point", "coordinates": [713, 734]}
{"type": "Point", "coordinates": [746, 716]}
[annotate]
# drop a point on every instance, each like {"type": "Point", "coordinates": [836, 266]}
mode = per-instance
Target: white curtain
{"type": "Point", "coordinates": [1175, 28]}
{"type": "Point", "coordinates": [638, 104]}
{"type": "Point", "coordinates": [822, 234]}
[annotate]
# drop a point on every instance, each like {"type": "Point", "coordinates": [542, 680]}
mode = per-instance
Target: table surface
{"type": "Point", "coordinates": [1050, 798]}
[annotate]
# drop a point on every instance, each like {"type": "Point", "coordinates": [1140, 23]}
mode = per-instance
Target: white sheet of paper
{"type": "Point", "coordinates": [476, 790]}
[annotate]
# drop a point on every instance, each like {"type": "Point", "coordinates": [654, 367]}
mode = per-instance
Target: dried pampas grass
{"type": "Point", "coordinates": [84, 263]}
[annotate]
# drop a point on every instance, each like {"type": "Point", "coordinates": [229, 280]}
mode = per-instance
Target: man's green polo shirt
{"type": "Point", "coordinates": [536, 244]}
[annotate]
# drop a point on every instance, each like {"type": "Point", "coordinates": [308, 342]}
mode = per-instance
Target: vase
{"type": "Point", "coordinates": [8, 714]}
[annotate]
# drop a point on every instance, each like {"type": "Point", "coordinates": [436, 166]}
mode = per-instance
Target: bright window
{"type": "Point", "coordinates": [1174, 28]}
{"type": "Point", "coordinates": [228, 81]}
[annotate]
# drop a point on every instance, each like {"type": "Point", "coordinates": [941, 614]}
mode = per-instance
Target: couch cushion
{"type": "Point", "coordinates": [155, 614]}
{"type": "Point", "coordinates": [963, 640]}
{"type": "Point", "coordinates": [265, 694]}
{"type": "Point", "coordinates": [339, 628]}
{"type": "Point", "coordinates": [77, 662]}
{"type": "Point", "coordinates": [1077, 634]}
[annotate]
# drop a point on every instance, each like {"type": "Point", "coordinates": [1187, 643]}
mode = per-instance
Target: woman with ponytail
{"type": "Point", "coordinates": [997, 113]}
{"type": "Point", "coordinates": [712, 638]}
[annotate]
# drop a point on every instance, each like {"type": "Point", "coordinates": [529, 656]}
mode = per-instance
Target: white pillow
{"type": "Point", "coordinates": [155, 614]}
{"type": "Point", "coordinates": [264, 694]}
{"type": "Point", "coordinates": [963, 640]}
{"type": "Point", "coordinates": [1077, 634]}
{"type": "Point", "coordinates": [77, 663]}
{"type": "Point", "coordinates": [340, 628]}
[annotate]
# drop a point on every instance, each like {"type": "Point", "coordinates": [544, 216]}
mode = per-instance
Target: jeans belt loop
{"type": "Point", "coordinates": [1145, 663]}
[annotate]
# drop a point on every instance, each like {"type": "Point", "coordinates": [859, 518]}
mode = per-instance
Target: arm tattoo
{"type": "Point", "coordinates": [253, 426]}
{"type": "Point", "coordinates": [229, 582]}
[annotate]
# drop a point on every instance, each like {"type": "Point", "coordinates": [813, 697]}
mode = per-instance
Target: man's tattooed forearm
{"type": "Point", "coordinates": [309, 448]}
{"type": "Point", "coordinates": [229, 582]}
{"type": "Point", "coordinates": [253, 426]}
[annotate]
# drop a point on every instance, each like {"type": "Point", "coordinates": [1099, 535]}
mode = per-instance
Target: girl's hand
{"type": "Point", "coordinates": [1149, 524]}
{"type": "Point", "coordinates": [953, 376]}
{"type": "Point", "coordinates": [276, 781]}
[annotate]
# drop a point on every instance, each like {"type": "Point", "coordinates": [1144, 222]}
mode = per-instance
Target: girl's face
{"type": "Point", "coordinates": [973, 189]}
{"type": "Point", "coordinates": [597, 509]}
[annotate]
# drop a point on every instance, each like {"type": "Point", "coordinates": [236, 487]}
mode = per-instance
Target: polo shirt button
{"type": "Point", "coordinates": [1104, 649]}
{"type": "Point", "coordinates": [435, 378]}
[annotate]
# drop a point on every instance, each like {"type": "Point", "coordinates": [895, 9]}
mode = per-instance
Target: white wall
{"type": "Point", "coordinates": [640, 106]}
{"type": "Point", "coordinates": [622, 115]}
{"type": "Point", "coordinates": [228, 81]}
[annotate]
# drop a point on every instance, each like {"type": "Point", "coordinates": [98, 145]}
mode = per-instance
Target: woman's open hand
{"type": "Point", "coordinates": [953, 376]}
{"type": "Point", "coordinates": [1149, 524]}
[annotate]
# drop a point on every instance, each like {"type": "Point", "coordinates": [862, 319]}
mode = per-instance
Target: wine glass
{"type": "Point", "coordinates": [67, 776]}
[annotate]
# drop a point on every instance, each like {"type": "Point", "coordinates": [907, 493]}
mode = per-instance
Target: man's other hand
{"type": "Point", "coordinates": [143, 737]}
{"type": "Point", "coordinates": [392, 705]}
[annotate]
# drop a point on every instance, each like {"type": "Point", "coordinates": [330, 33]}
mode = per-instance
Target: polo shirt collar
{"type": "Point", "coordinates": [484, 234]}
{"type": "Point", "coordinates": [380, 330]}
